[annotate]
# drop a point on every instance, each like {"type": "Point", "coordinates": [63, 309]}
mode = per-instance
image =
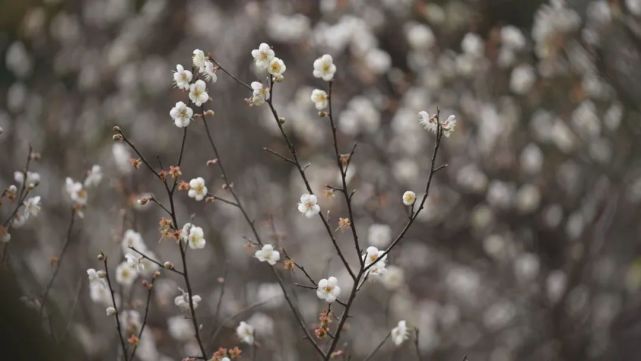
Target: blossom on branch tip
{"type": "Point", "coordinates": [181, 114]}
{"type": "Point", "coordinates": [400, 333]}
{"type": "Point", "coordinates": [320, 99]}
{"type": "Point", "coordinates": [268, 254]}
{"type": "Point", "coordinates": [308, 205]}
{"type": "Point", "coordinates": [245, 332]}
{"type": "Point", "coordinates": [126, 274]}
{"type": "Point", "coordinates": [33, 178]}
{"type": "Point", "coordinates": [429, 122]}
{"type": "Point", "coordinates": [276, 68]}
{"type": "Point", "coordinates": [263, 56]}
{"type": "Point", "coordinates": [182, 77]}
{"type": "Point", "coordinates": [76, 192]}
{"type": "Point", "coordinates": [182, 300]}
{"type": "Point", "coordinates": [209, 71]}
{"type": "Point", "coordinates": [409, 198]}
{"type": "Point", "coordinates": [196, 237]}
{"type": "Point", "coordinates": [94, 176]}
{"type": "Point", "coordinates": [198, 92]}
{"type": "Point", "coordinates": [197, 189]}
{"type": "Point", "coordinates": [32, 206]}
{"type": "Point", "coordinates": [328, 289]}
{"type": "Point", "coordinates": [324, 68]}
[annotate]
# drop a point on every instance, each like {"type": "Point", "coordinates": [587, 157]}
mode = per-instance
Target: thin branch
{"type": "Point", "coordinates": [150, 288]}
{"type": "Point", "coordinates": [380, 345]}
{"type": "Point", "coordinates": [156, 262]}
{"type": "Point", "coordinates": [115, 306]}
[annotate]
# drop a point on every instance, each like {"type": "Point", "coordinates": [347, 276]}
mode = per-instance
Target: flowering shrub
{"type": "Point", "coordinates": [451, 180]}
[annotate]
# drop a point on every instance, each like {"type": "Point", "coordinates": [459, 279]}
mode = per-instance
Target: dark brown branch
{"type": "Point", "coordinates": [115, 306]}
{"type": "Point", "coordinates": [150, 288]}
{"type": "Point", "coordinates": [156, 262]}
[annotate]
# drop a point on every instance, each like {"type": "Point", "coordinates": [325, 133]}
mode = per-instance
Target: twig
{"type": "Point", "coordinates": [156, 262]}
{"type": "Point", "coordinates": [380, 345]}
{"type": "Point", "coordinates": [150, 288]}
{"type": "Point", "coordinates": [115, 306]}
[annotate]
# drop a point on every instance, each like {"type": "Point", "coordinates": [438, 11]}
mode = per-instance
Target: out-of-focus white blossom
{"type": "Point", "coordinates": [32, 206]}
{"type": "Point", "coordinates": [263, 56]}
{"type": "Point", "coordinates": [522, 79]}
{"type": "Point", "coordinates": [76, 192]}
{"type": "Point", "coordinates": [328, 289]}
{"type": "Point", "coordinates": [197, 189]}
{"type": "Point", "coordinates": [33, 178]}
{"type": "Point", "coordinates": [634, 6]}
{"type": "Point", "coordinates": [429, 122]}
{"type": "Point", "coordinates": [209, 71]}
{"type": "Point", "coordinates": [393, 277]}
{"type": "Point", "coordinates": [380, 235]}
{"type": "Point", "coordinates": [182, 77]}
{"type": "Point", "coordinates": [324, 68]}
{"type": "Point", "coordinates": [94, 176]}
{"type": "Point", "coordinates": [126, 274]}
{"type": "Point", "coordinates": [180, 328]}
{"type": "Point", "coordinates": [198, 92]}
{"type": "Point", "coordinates": [472, 44]}
{"type": "Point", "coordinates": [320, 99]}
{"type": "Point", "coordinates": [110, 311]}
{"type": "Point", "coordinates": [181, 114]}
{"type": "Point", "coordinates": [268, 254]}
{"type": "Point", "coordinates": [308, 205]}
{"type": "Point", "coordinates": [245, 332]}
{"type": "Point", "coordinates": [400, 333]}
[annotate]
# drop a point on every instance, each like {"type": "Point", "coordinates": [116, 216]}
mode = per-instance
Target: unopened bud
{"type": "Point", "coordinates": [168, 265]}
{"type": "Point", "coordinates": [117, 137]}
{"type": "Point", "coordinates": [210, 113]}
{"type": "Point", "coordinates": [102, 274]}
{"type": "Point", "coordinates": [110, 311]}
{"type": "Point", "coordinates": [101, 256]}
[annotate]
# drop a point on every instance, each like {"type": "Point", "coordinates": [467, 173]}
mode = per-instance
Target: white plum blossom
{"type": "Point", "coordinates": [33, 178]}
{"type": "Point", "coordinates": [197, 189]}
{"type": "Point", "coordinates": [522, 79]}
{"type": "Point", "coordinates": [94, 176]}
{"type": "Point", "coordinates": [182, 301]}
{"type": "Point", "coordinates": [181, 114]}
{"type": "Point", "coordinates": [409, 198]}
{"type": "Point", "coordinates": [263, 56]}
{"type": "Point", "coordinates": [324, 68]}
{"type": "Point", "coordinates": [328, 289]}
{"type": "Point", "coordinates": [260, 93]}
{"type": "Point", "coordinates": [199, 58]}
{"type": "Point", "coordinates": [126, 274]}
{"type": "Point", "coordinates": [180, 328]}
{"type": "Point", "coordinates": [182, 77]}
{"type": "Point", "coordinates": [320, 99]}
{"type": "Point", "coordinates": [372, 255]}
{"type": "Point", "coordinates": [32, 206]}
{"type": "Point", "coordinates": [110, 311]}
{"type": "Point", "coordinates": [268, 254]}
{"type": "Point", "coordinates": [308, 205]}
{"type": "Point", "coordinates": [76, 192]}
{"type": "Point", "coordinates": [400, 333]}
{"type": "Point", "coordinates": [209, 71]}
{"type": "Point", "coordinates": [429, 122]}
{"type": "Point", "coordinates": [196, 239]}
{"type": "Point", "coordinates": [198, 92]}
{"type": "Point", "coordinates": [380, 235]}
{"type": "Point", "coordinates": [141, 264]}
{"type": "Point", "coordinates": [276, 68]}
{"type": "Point", "coordinates": [245, 332]}
{"type": "Point", "coordinates": [98, 289]}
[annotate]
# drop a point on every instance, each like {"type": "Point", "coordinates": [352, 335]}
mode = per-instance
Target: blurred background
{"type": "Point", "coordinates": [528, 249]}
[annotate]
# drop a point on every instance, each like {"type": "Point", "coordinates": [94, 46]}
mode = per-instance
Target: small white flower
{"type": "Point", "coordinates": [110, 311]}
{"type": "Point", "coordinates": [409, 198]}
{"type": "Point", "coordinates": [197, 189]}
{"type": "Point", "coordinates": [140, 263]}
{"type": "Point", "coordinates": [196, 238]}
{"type": "Point", "coordinates": [430, 123]}
{"type": "Point", "coordinates": [94, 176]}
{"type": "Point", "coordinates": [245, 332]}
{"type": "Point", "coordinates": [263, 56]}
{"type": "Point", "coordinates": [76, 192]}
{"type": "Point", "coordinates": [199, 59]}
{"type": "Point", "coordinates": [380, 235]}
{"type": "Point", "coordinates": [393, 277]}
{"type": "Point", "coordinates": [33, 178]}
{"type": "Point", "coordinates": [126, 274]}
{"type": "Point", "coordinates": [400, 333]}
{"type": "Point", "coordinates": [372, 255]}
{"type": "Point", "coordinates": [260, 93]}
{"type": "Point", "coordinates": [32, 206]}
{"type": "Point", "coordinates": [320, 99]}
{"type": "Point", "coordinates": [324, 68]}
{"type": "Point", "coordinates": [182, 77]}
{"type": "Point", "coordinates": [198, 92]}
{"type": "Point", "coordinates": [308, 205]}
{"type": "Point", "coordinates": [328, 289]}
{"type": "Point", "coordinates": [268, 254]}
{"type": "Point", "coordinates": [98, 289]}
{"type": "Point", "coordinates": [209, 71]}
{"type": "Point", "coordinates": [276, 68]}
{"type": "Point", "coordinates": [182, 300]}
{"type": "Point", "coordinates": [181, 114]}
